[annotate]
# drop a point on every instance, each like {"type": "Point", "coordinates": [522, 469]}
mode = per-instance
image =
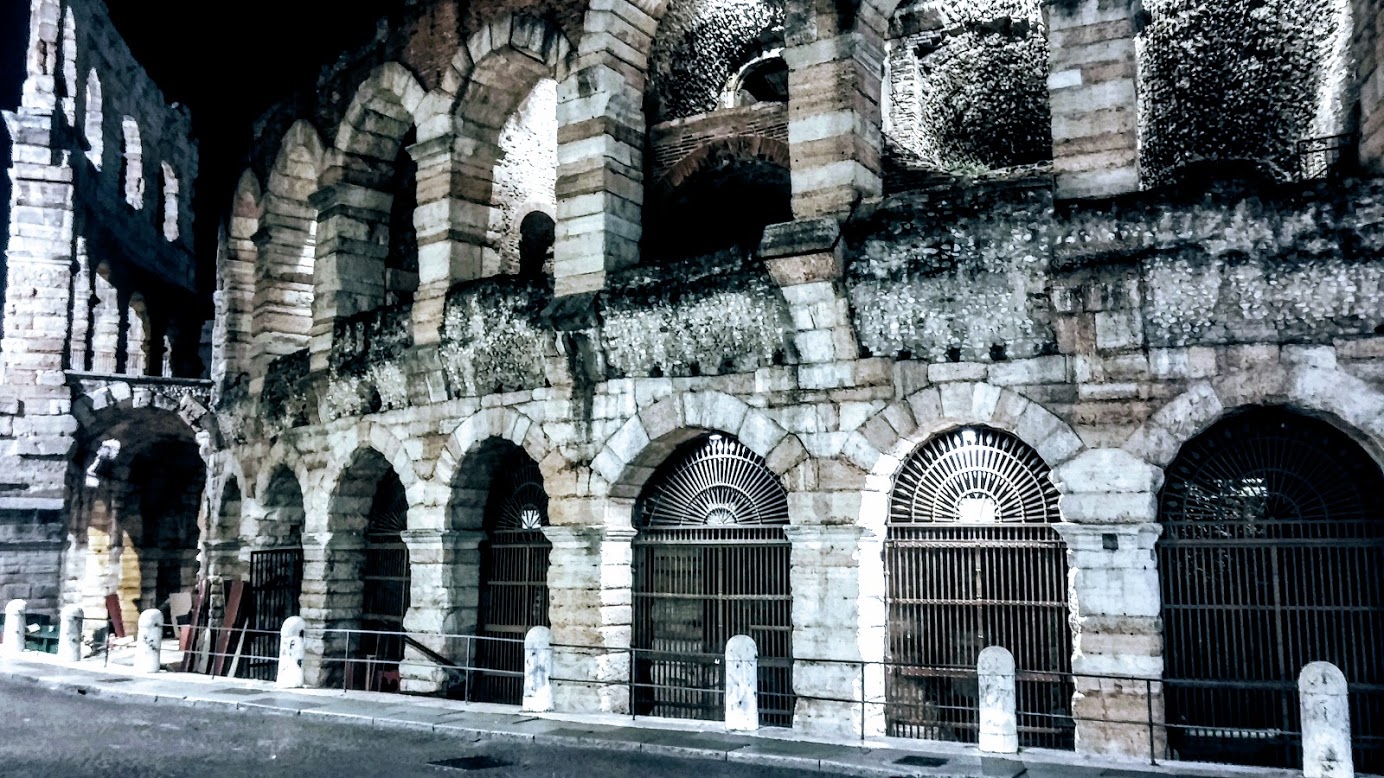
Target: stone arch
{"type": "Point", "coordinates": [503, 423]}
{"type": "Point", "coordinates": [1348, 403]}
{"type": "Point", "coordinates": [630, 456]}
{"type": "Point", "coordinates": [741, 147]}
{"type": "Point", "coordinates": [379, 441]}
{"type": "Point", "coordinates": [281, 319]}
{"type": "Point", "coordinates": [384, 105]}
{"type": "Point", "coordinates": [506, 118]}
{"type": "Point", "coordinates": [92, 406]}
{"type": "Point", "coordinates": [283, 510]}
{"type": "Point", "coordinates": [93, 120]}
{"type": "Point", "coordinates": [282, 456]}
{"type": "Point", "coordinates": [235, 281]}
{"type": "Point", "coordinates": [883, 443]}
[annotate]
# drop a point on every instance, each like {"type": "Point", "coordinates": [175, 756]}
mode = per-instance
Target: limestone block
{"type": "Point", "coordinates": [1326, 749]}
{"type": "Point", "coordinates": [999, 726]}
{"type": "Point", "coordinates": [149, 642]}
{"type": "Point", "coordinates": [1107, 470]}
{"type": "Point", "coordinates": [742, 684]}
{"type": "Point", "coordinates": [13, 644]}
{"type": "Point", "coordinates": [538, 670]}
{"type": "Point", "coordinates": [292, 651]}
{"type": "Point", "coordinates": [70, 634]}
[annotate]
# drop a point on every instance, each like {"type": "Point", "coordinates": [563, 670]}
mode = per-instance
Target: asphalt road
{"type": "Point", "coordinates": [59, 733]}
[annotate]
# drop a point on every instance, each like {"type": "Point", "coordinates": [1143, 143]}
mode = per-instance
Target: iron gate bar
{"type": "Point", "coordinates": [276, 582]}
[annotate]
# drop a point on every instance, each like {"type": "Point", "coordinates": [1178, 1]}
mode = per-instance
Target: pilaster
{"type": "Point", "coordinates": [589, 580]}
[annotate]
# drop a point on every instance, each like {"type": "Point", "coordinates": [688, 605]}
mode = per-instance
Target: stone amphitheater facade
{"type": "Point", "coordinates": [1102, 308]}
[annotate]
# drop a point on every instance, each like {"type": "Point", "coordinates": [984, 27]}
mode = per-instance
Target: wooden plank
{"type": "Point", "coordinates": [235, 661]}
{"type": "Point", "coordinates": [188, 640]}
{"type": "Point", "coordinates": [223, 643]}
{"type": "Point", "coordinates": [113, 616]}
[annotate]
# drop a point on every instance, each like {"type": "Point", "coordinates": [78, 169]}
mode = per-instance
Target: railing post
{"type": "Point", "coordinates": [538, 670]}
{"type": "Point", "coordinates": [742, 684]}
{"type": "Point", "coordinates": [14, 627]}
{"type": "Point", "coordinates": [999, 728]}
{"type": "Point", "coordinates": [292, 651]}
{"type": "Point", "coordinates": [1325, 722]}
{"type": "Point", "coordinates": [150, 642]}
{"type": "Point", "coordinates": [70, 634]}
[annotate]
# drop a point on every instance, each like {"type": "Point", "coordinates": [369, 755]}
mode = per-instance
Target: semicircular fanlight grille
{"type": "Point", "coordinates": [389, 508]}
{"type": "Point", "coordinates": [719, 481]}
{"type": "Point", "coordinates": [517, 500]}
{"type": "Point", "coordinates": [974, 475]}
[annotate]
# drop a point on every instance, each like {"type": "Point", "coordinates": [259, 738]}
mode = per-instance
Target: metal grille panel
{"type": "Point", "coordinates": [276, 581]}
{"type": "Point", "coordinates": [514, 578]}
{"type": "Point", "coordinates": [385, 573]}
{"type": "Point", "coordinates": [1270, 558]}
{"type": "Point", "coordinates": [972, 563]}
{"type": "Point", "coordinates": [711, 562]}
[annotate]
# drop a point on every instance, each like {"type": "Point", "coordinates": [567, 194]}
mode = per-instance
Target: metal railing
{"type": "Point", "coordinates": [442, 664]}
{"type": "Point", "coordinates": [1326, 156]}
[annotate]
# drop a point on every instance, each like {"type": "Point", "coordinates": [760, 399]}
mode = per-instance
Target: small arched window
{"type": "Point", "coordinates": [537, 233]}
{"type": "Point", "coordinates": [170, 203]}
{"type": "Point", "coordinates": [134, 164]}
{"type": "Point", "coordinates": [92, 122]}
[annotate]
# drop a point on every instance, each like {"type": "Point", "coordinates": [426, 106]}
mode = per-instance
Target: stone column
{"type": "Point", "coordinates": [444, 595]}
{"type": "Point", "coordinates": [1109, 506]}
{"type": "Point", "coordinates": [838, 614]}
{"type": "Point", "coordinates": [451, 230]}
{"type": "Point", "coordinates": [589, 581]}
{"type": "Point", "coordinates": [1091, 89]}
{"type": "Point", "coordinates": [834, 120]}
{"type": "Point", "coordinates": [742, 684]}
{"type": "Point", "coordinates": [600, 154]}
{"type": "Point", "coordinates": [349, 269]}
{"type": "Point", "coordinates": [1326, 751]}
{"type": "Point", "coordinates": [330, 600]}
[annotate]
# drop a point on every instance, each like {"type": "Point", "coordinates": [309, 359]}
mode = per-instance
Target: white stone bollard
{"type": "Point", "coordinates": [14, 627]}
{"type": "Point", "coordinates": [538, 670]}
{"type": "Point", "coordinates": [742, 684]}
{"type": "Point", "coordinates": [1325, 722]}
{"type": "Point", "coordinates": [149, 642]}
{"type": "Point", "coordinates": [70, 634]}
{"type": "Point", "coordinates": [999, 726]}
{"type": "Point", "coordinates": [293, 647]}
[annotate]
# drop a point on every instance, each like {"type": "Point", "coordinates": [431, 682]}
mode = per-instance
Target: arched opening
{"type": "Point", "coordinates": [92, 121]}
{"type": "Point", "coordinates": [283, 293]}
{"type": "Point", "coordinates": [137, 329]}
{"type": "Point", "coordinates": [104, 330]}
{"type": "Point", "coordinates": [711, 561]}
{"type": "Point", "coordinates": [1258, 85]}
{"type": "Point", "coordinates": [401, 263]}
{"type": "Point", "coordinates": [169, 226]}
{"type": "Point", "coordinates": [132, 160]}
{"type": "Point", "coordinates": [723, 203]}
{"type": "Point", "coordinates": [763, 80]}
{"type": "Point", "coordinates": [1270, 558]}
{"type": "Point", "coordinates": [699, 48]}
{"type": "Point", "coordinates": [973, 561]}
{"type": "Point", "coordinates": [385, 584]}
{"type": "Point", "coordinates": [276, 567]}
{"type": "Point", "coordinates": [965, 86]}
{"type": "Point", "coordinates": [500, 490]}
{"type": "Point", "coordinates": [537, 234]}
{"type": "Point", "coordinates": [223, 545]}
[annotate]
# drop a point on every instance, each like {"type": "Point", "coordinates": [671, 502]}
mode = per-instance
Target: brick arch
{"type": "Point", "coordinates": [390, 91]}
{"type": "Point", "coordinates": [629, 457]}
{"type": "Point", "coordinates": [1348, 403]}
{"type": "Point", "coordinates": [748, 148]}
{"type": "Point", "coordinates": [885, 441]}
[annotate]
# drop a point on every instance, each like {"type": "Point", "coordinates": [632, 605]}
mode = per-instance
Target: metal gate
{"type": "Point", "coordinates": [1270, 558]}
{"type": "Point", "coordinates": [276, 581]}
{"type": "Point", "coordinates": [514, 579]}
{"type": "Point", "coordinates": [973, 561]}
{"type": "Point", "coordinates": [385, 588]}
{"type": "Point", "coordinates": [711, 561]}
